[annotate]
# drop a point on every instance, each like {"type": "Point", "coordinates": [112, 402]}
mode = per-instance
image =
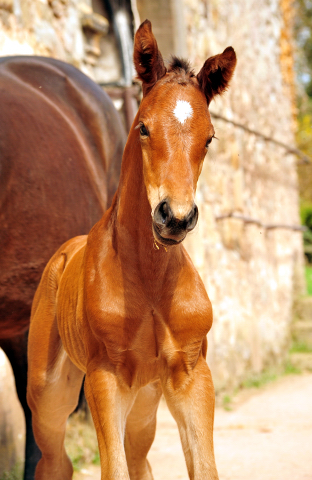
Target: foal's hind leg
{"type": "Point", "coordinates": [54, 382]}
{"type": "Point", "coordinates": [52, 397]}
{"type": "Point", "coordinates": [140, 431]}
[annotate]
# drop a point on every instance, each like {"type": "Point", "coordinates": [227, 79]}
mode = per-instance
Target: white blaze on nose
{"type": "Point", "coordinates": [183, 110]}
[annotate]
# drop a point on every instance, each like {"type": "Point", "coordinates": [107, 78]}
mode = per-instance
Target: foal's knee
{"type": "Point", "coordinates": [35, 390]}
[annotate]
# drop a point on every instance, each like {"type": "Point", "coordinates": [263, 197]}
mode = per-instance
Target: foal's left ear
{"type": "Point", "coordinates": [147, 58]}
{"type": "Point", "coordinates": [216, 73]}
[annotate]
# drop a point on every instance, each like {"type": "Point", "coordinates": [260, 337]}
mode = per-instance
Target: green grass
{"type": "Point", "coordinates": [291, 369]}
{"type": "Point", "coordinates": [226, 402]}
{"type": "Point", "coordinates": [15, 474]}
{"type": "Point", "coordinates": [308, 274]}
{"type": "Point", "coordinates": [300, 348]}
{"type": "Point", "coordinates": [81, 442]}
{"type": "Point", "coordinates": [96, 458]}
{"type": "Point", "coordinates": [258, 380]}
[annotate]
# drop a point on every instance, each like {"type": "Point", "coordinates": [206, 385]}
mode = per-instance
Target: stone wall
{"type": "Point", "coordinates": [249, 270]}
{"type": "Point", "coordinates": [12, 423]}
{"type": "Point", "coordinates": [76, 31]}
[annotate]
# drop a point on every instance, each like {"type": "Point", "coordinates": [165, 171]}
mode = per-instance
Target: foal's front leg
{"type": "Point", "coordinates": [140, 431]}
{"type": "Point", "coordinates": [190, 398]}
{"type": "Point", "coordinates": [109, 403]}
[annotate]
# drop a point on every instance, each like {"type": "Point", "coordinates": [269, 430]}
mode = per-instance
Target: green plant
{"type": "Point", "coordinates": [300, 347]}
{"type": "Point", "coordinates": [306, 220]}
{"type": "Point", "coordinates": [81, 442]}
{"type": "Point", "coordinates": [96, 458]}
{"type": "Point", "coordinates": [308, 275]}
{"type": "Point", "coordinates": [226, 402]}
{"type": "Point", "coordinates": [305, 213]}
{"type": "Point", "coordinates": [259, 379]}
{"type": "Point", "coordinates": [291, 369]}
{"type": "Point", "coordinates": [16, 473]}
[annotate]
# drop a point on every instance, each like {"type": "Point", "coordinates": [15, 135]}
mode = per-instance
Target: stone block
{"type": "Point", "coordinates": [302, 332]}
{"type": "Point", "coordinates": [6, 5]}
{"type": "Point", "coordinates": [238, 190]}
{"type": "Point", "coordinates": [303, 309]}
{"type": "Point", "coordinates": [302, 361]}
{"type": "Point", "coordinates": [12, 428]}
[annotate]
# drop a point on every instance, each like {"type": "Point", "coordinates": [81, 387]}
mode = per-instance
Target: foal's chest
{"type": "Point", "coordinates": [145, 327]}
{"type": "Point", "coordinates": [142, 341]}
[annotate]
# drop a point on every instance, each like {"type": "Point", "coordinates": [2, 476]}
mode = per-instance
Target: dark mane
{"type": "Point", "coordinates": [177, 64]}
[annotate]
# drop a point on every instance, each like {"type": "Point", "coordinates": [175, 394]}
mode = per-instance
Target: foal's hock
{"type": "Point", "coordinates": [124, 306]}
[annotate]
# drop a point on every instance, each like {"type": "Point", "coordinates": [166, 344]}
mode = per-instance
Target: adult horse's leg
{"type": "Point", "coordinates": [140, 431]}
{"type": "Point", "coordinates": [190, 399]}
{"type": "Point", "coordinates": [16, 351]}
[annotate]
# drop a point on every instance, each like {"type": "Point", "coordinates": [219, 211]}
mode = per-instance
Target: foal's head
{"type": "Point", "coordinates": [175, 131]}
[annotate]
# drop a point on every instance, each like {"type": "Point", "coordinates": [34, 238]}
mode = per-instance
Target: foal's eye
{"type": "Point", "coordinates": [143, 130]}
{"type": "Point", "coordinates": [209, 141]}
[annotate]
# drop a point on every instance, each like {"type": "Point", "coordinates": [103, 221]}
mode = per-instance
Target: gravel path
{"type": "Point", "coordinates": [267, 436]}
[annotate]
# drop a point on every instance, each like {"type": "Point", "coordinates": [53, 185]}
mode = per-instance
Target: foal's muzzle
{"type": "Point", "coordinates": [170, 230]}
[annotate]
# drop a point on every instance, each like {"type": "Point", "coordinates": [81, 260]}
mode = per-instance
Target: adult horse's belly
{"type": "Point", "coordinates": [61, 144]}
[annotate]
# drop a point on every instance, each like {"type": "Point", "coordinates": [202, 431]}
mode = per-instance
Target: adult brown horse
{"type": "Point", "coordinates": [61, 144]}
{"type": "Point", "coordinates": [124, 305]}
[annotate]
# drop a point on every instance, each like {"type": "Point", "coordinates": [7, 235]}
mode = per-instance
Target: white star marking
{"type": "Point", "coordinates": [183, 110]}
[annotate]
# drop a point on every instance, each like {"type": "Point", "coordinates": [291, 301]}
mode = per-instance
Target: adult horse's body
{"type": "Point", "coordinates": [125, 306]}
{"type": "Point", "coordinates": [61, 144]}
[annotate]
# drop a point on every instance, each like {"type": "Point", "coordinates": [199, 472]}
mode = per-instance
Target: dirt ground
{"type": "Point", "coordinates": [266, 436]}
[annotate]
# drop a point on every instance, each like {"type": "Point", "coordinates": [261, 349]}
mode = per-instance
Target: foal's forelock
{"type": "Point", "coordinates": [178, 63]}
{"type": "Point", "coordinates": [179, 71]}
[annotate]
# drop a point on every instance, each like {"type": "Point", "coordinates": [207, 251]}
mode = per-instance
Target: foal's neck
{"type": "Point", "coordinates": [132, 211]}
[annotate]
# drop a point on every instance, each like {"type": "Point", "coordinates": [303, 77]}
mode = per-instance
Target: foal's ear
{"type": "Point", "coordinates": [147, 58]}
{"type": "Point", "coordinates": [216, 73]}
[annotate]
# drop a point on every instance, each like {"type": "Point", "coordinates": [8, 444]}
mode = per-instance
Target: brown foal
{"type": "Point", "coordinates": [124, 306]}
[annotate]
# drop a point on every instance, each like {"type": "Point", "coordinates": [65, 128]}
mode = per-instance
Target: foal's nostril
{"type": "Point", "coordinates": [162, 214]}
{"type": "Point", "coordinates": [192, 218]}
{"type": "Point", "coordinates": [164, 211]}
{"type": "Point", "coordinates": [171, 228]}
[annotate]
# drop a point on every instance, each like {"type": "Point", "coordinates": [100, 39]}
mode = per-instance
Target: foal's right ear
{"type": "Point", "coordinates": [147, 58]}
